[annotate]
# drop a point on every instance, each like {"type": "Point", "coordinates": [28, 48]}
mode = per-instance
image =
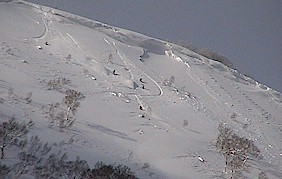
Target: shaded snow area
{"type": "Point", "coordinates": [147, 104]}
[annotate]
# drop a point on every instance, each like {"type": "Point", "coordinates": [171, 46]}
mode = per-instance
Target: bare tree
{"type": "Point", "coordinates": [65, 118]}
{"type": "Point", "coordinates": [52, 167]}
{"type": "Point", "coordinates": [102, 170]}
{"type": "Point", "coordinates": [33, 155]}
{"type": "Point", "coordinates": [28, 98]}
{"type": "Point", "coordinates": [36, 160]}
{"type": "Point", "coordinates": [236, 150]}
{"type": "Point", "coordinates": [77, 168]}
{"type": "Point", "coordinates": [71, 100]}
{"type": "Point", "coordinates": [12, 133]}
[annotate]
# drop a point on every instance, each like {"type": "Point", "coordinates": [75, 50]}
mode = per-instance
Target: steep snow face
{"type": "Point", "coordinates": [146, 101]}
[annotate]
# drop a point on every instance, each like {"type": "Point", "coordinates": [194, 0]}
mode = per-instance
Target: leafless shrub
{"type": "Point", "coordinates": [15, 97]}
{"type": "Point", "coordinates": [51, 167]}
{"type": "Point", "coordinates": [12, 95]}
{"type": "Point", "coordinates": [146, 166]}
{"type": "Point", "coordinates": [233, 115]}
{"type": "Point", "coordinates": [77, 168]}
{"type": "Point", "coordinates": [28, 97]}
{"type": "Point", "coordinates": [13, 133]}
{"type": "Point", "coordinates": [187, 45]}
{"type": "Point", "coordinates": [68, 57]}
{"type": "Point", "coordinates": [185, 123]}
{"type": "Point", "coordinates": [57, 166]}
{"type": "Point", "coordinates": [57, 84]}
{"type": "Point", "coordinates": [262, 175]}
{"type": "Point", "coordinates": [85, 71]}
{"type": "Point", "coordinates": [169, 82]}
{"type": "Point", "coordinates": [51, 113]}
{"type": "Point", "coordinates": [206, 53]}
{"type": "Point", "coordinates": [55, 115]}
{"type": "Point", "coordinates": [236, 150]}
{"type": "Point", "coordinates": [4, 170]}
{"type": "Point", "coordinates": [215, 56]}
{"type": "Point", "coordinates": [30, 157]}
{"type": "Point", "coordinates": [35, 160]}
{"type": "Point", "coordinates": [110, 59]}
{"type": "Point", "coordinates": [102, 171]}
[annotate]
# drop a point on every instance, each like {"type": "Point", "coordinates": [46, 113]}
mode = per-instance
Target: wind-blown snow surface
{"type": "Point", "coordinates": [162, 104]}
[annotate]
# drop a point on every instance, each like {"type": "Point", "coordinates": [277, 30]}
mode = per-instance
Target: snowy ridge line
{"type": "Point", "coordinates": [75, 18]}
{"type": "Point", "coordinates": [93, 23]}
{"type": "Point", "coordinates": [235, 72]}
{"type": "Point", "coordinates": [252, 81]}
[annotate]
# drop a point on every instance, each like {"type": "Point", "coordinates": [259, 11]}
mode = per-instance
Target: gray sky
{"type": "Point", "coordinates": [248, 32]}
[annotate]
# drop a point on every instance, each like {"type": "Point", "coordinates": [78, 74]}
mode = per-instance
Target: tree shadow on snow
{"type": "Point", "coordinates": [111, 132]}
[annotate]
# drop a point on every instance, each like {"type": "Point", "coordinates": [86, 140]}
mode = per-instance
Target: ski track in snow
{"type": "Point", "coordinates": [123, 58]}
{"type": "Point", "coordinates": [128, 65]}
{"type": "Point", "coordinates": [46, 27]}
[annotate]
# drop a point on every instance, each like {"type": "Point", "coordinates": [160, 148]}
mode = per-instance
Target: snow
{"type": "Point", "coordinates": [123, 119]}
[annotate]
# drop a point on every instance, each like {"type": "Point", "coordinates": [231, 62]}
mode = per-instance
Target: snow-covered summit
{"type": "Point", "coordinates": [149, 104]}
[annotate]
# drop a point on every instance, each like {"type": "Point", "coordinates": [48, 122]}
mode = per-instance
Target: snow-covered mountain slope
{"type": "Point", "coordinates": [151, 105]}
